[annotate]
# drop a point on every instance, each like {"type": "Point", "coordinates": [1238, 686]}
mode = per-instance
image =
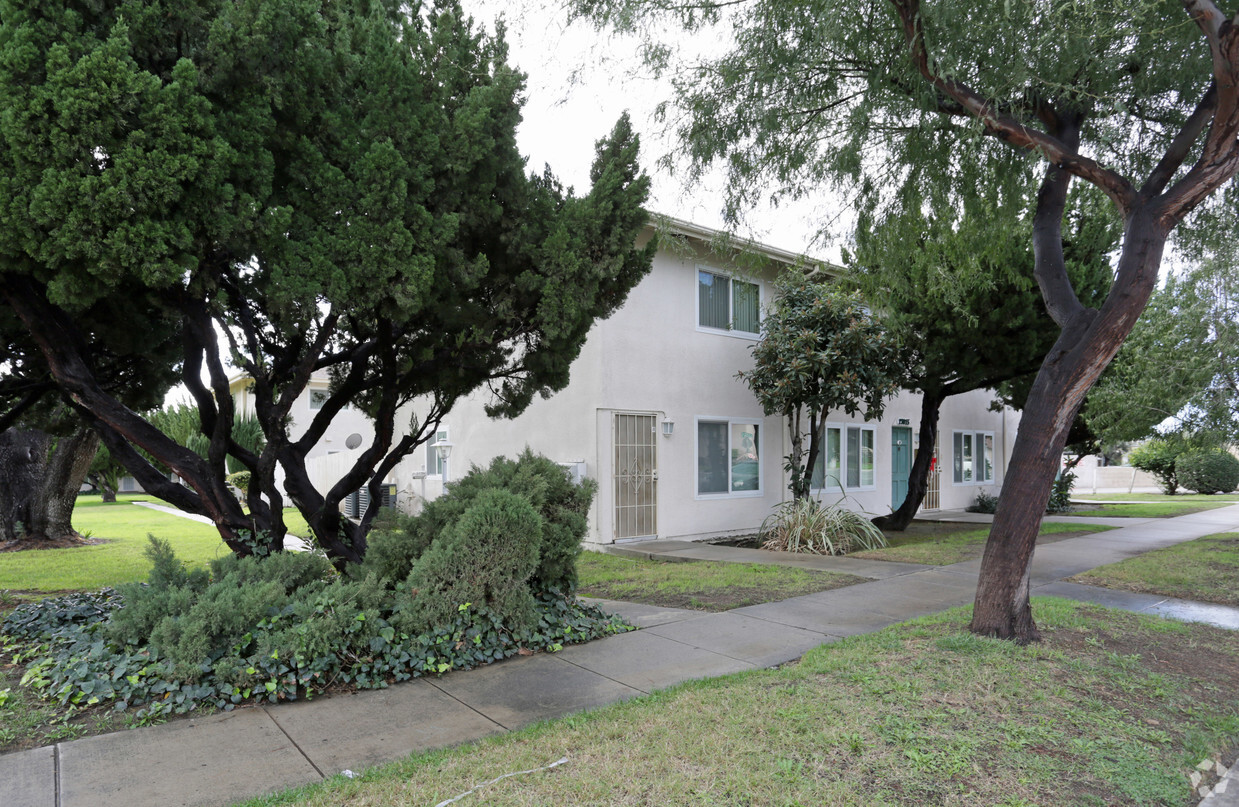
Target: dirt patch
{"type": "Point", "coordinates": [1199, 659]}
{"type": "Point", "coordinates": [64, 542]}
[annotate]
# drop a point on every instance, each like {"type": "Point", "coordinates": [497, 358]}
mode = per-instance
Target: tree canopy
{"type": "Point", "coordinates": [958, 291]}
{"type": "Point", "coordinates": [907, 104]}
{"type": "Point", "coordinates": [289, 187]}
{"type": "Point", "coordinates": [820, 351]}
{"type": "Point", "coordinates": [1178, 367]}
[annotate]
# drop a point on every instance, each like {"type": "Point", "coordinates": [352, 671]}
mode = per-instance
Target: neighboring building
{"type": "Point", "coordinates": [349, 429]}
{"type": "Point", "coordinates": [679, 445]}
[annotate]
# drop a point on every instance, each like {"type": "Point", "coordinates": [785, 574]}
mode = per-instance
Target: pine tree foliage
{"type": "Point", "coordinates": [333, 187]}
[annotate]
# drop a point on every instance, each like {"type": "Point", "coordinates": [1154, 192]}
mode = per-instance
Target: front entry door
{"type": "Point", "coordinates": [636, 475]}
{"type": "Point", "coordinates": [901, 464]}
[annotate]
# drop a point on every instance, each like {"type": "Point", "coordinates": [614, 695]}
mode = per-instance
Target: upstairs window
{"type": "Point", "coordinates": [727, 304]}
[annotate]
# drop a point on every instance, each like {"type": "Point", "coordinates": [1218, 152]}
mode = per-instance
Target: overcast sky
{"type": "Point", "coordinates": [579, 82]}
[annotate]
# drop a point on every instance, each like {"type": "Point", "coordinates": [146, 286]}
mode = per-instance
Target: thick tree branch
{"type": "Point", "coordinates": [1219, 157]}
{"type": "Point", "coordinates": [1049, 264]}
{"type": "Point", "coordinates": [1188, 134]}
{"type": "Point", "coordinates": [1005, 127]}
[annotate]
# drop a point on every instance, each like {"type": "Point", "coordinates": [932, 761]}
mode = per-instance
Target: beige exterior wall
{"type": "Point", "coordinates": [651, 358]}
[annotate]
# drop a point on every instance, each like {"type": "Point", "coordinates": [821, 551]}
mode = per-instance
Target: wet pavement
{"type": "Point", "coordinates": [220, 759]}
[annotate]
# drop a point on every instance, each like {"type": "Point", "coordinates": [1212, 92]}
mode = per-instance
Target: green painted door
{"type": "Point", "coordinates": [901, 464]}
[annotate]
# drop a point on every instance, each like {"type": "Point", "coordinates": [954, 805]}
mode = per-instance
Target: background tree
{"type": "Point", "coordinates": [964, 304]}
{"type": "Point", "coordinates": [907, 103]}
{"type": "Point", "coordinates": [1176, 373]}
{"type": "Point", "coordinates": [820, 350]}
{"type": "Point", "coordinates": [353, 202]}
{"type": "Point", "coordinates": [40, 476]}
{"type": "Point", "coordinates": [105, 474]}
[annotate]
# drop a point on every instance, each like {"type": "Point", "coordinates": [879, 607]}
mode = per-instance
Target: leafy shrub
{"type": "Point", "coordinates": [240, 480]}
{"type": "Point", "coordinates": [485, 557]}
{"type": "Point", "coordinates": [1159, 456]}
{"type": "Point", "coordinates": [1208, 472]}
{"type": "Point", "coordinates": [803, 525]}
{"type": "Point", "coordinates": [985, 503]}
{"type": "Point", "coordinates": [562, 505]}
{"type": "Point", "coordinates": [329, 632]}
{"type": "Point", "coordinates": [1060, 495]}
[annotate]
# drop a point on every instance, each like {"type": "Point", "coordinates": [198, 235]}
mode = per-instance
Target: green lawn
{"type": "Point", "coordinates": [1159, 509]}
{"type": "Point", "coordinates": [1206, 569]}
{"type": "Point", "coordinates": [123, 528]}
{"type": "Point", "coordinates": [1157, 497]}
{"type": "Point", "coordinates": [939, 543]}
{"type": "Point", "coordinates": [699, 584]}
{"type": "Point", "coordinates": [1112, 708]}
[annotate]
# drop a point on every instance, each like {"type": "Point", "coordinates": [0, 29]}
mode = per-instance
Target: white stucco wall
{"type": "Point", "coordinates": [651, 358]}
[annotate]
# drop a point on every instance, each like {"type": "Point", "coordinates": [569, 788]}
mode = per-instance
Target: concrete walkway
{"type": "Point", "coordinates": [227, 757]}
{"type": "Point", "coordinates": [292, 543]}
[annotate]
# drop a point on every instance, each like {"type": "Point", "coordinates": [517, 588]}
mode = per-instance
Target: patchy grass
{"type": "Point", "coordinates": [1157, 497]}
{"type": "Point", "coordinates": [703, 585]}
{"type": "Point", "coordinates": [1160, 509]}
{"type": "Point", "coordinates": [1206, 569]}
{"type": "Point", "coordinates": [941, 543]}
{"type": "Point", "coordinates": [1111, 709]}
{"type": "Point", "coordinates": [122, 529]}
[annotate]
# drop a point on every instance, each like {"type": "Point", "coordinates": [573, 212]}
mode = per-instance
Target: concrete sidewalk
{"type": "Point", "coordinates": [227, 757]}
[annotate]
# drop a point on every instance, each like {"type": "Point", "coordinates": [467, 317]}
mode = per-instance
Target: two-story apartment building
{"type": "Point", "coordinates": [679, 446]}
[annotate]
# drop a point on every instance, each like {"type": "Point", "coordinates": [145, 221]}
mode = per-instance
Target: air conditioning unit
{"type": "Point", "coordinates": [575, 470]}
{"type": "Point", "coordinates": [358, 502]}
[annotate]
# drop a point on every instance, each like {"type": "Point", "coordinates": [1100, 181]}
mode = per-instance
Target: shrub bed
{"type": "Point", "coordinates": [1208, 472]}
{"type": "Point", "coordinates": [475, 590]}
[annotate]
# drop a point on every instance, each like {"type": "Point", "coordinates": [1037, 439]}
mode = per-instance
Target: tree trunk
{"type": "Point", "coordinates": [40, 477]}
{"type": "Point", "coordinates": [63, 473]}
{"type": "Point", "coordinates": [918, 479]}
{"type": "Point", "coordinates": [1087, 344]}
{"type": "Point", "coordinates": [22, 455]}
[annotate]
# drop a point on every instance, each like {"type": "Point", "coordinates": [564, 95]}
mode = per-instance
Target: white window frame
{"type": "Point", "coordinates": [732, 277]}
{"type": "Point", "coordinates": [760, 423]}
{"type": "Point", "coordinates": [432, 456]}
{"type": "Point", "coordinates": [978, 438]}
{"type": "Point", "coordinates": [842, 485]}
{"type": "Point", "coordinates": [325, 393]}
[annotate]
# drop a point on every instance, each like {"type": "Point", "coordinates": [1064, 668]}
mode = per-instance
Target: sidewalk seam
{"type": "Point", "coordinates": [469, 706]}
{"type": "Point", "coordinates": [56, 774]}
{"type": "Point", "coordinates": [296, 745]}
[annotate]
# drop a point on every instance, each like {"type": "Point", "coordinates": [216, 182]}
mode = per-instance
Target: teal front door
{"type": "Point", "coordinates": [901, 464]}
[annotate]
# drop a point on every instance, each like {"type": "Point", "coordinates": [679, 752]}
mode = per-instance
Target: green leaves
{"type": "Point", "coordinates": [820, 351]}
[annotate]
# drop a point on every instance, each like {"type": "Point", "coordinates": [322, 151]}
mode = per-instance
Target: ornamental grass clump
{"type": "Point", "coordinates": [804, 525]}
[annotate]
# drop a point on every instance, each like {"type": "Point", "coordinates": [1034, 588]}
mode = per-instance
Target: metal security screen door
{"type": "Point", "coordinates": [636, 476]}
{"type": "Point", "coordinates": [933, 488]}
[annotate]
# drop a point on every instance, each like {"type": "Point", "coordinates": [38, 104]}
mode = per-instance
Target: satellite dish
{"type": "Point", "coordinates": [353, 440]}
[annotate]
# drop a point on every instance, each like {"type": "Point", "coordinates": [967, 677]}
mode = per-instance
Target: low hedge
{"type": "Point", "coordinates": [484, 573]}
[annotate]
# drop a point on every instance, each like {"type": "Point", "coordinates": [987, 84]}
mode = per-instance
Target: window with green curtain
{"type": "Point", "coordinates": [853, 457]}
{"type": "Point", "coordinates": [867, 463]}
{"type": "Point", "coordinates": [746, 307]}
{"type": "Point", "coordinates": [826, 466]}
{"type": "Point", "coordinates": [967, 456]}
{"type": "Point", "coordinates": [713, 300]}
{"type": "Point", "coordinates": [958, 457]}
{"type": "Point", "coordinates": [712, 461]}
